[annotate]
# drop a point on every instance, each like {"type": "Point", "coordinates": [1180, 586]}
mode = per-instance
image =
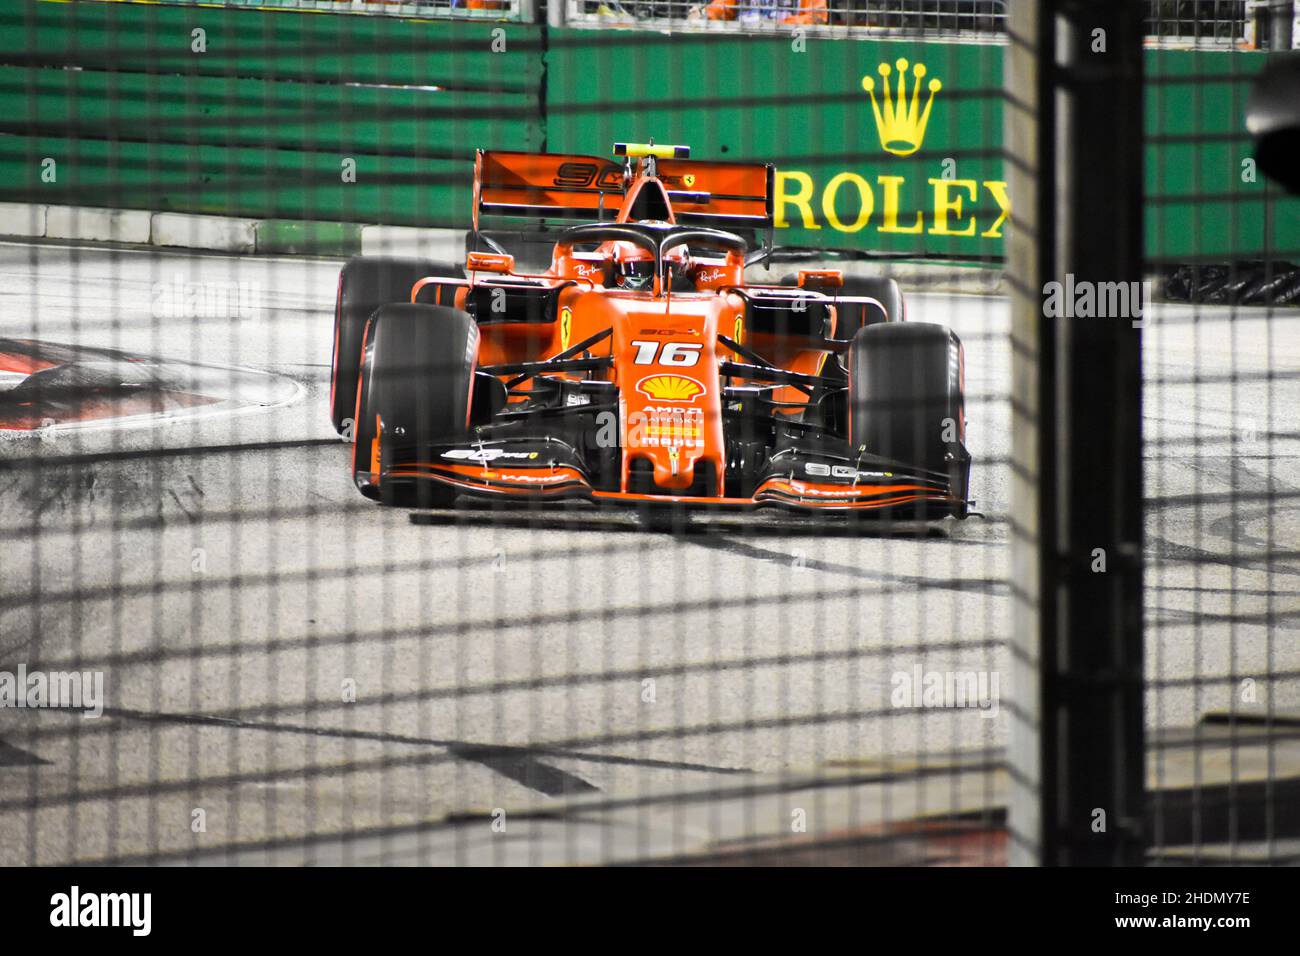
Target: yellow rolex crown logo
{"type": "Point", "coordinates": [901, 121]}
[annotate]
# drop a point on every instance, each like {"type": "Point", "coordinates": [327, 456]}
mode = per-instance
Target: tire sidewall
{"type": "Point", "coordinates": [906, 394]}
{"type": "Point", "coordinates": [365, 283]}
{"type": "Point", "coordinates": [417, 381]}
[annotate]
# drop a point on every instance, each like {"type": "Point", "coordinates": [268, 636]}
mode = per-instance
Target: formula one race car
{"type": "Point", "coordinates": [641, 366]}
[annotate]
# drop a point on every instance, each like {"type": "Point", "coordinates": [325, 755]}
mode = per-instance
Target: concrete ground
{"type": "Point", "coordinates": [286, 663]}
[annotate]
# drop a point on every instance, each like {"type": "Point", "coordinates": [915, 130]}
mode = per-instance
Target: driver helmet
{"type": "Point", "coordinates": [634, 267]}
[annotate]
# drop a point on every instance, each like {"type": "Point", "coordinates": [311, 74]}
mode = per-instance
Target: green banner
{"type": "Point", "coordinates": [259, 113]}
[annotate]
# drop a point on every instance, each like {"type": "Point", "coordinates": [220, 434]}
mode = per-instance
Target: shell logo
{"type": "Point", "coordinates": [670, 388]}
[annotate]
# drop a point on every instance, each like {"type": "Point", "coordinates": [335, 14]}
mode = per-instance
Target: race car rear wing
{"type": "Point", "coordinates": [556, 185]}
{"type": "Point", "coordinates": [545, 185]}
{"type": "Point", "coordinates": [719, 194]}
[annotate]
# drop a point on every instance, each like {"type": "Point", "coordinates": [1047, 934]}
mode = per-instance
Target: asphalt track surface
{"type": "Point", "coordinates": [217, 566]}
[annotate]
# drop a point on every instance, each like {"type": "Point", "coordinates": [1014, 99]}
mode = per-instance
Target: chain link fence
{"type": "Point", "coordinates": [506, 10]}
{"type": "Point", "coordinates": [214, 648]}
{"type": "Point", "coordinates": [1220, 371]}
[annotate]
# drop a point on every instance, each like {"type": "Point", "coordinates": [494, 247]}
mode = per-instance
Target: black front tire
{"type": "Point", "coordinates": [906, 396]}
{"type": "Point", "coordinates": [366, 283]}
{"type": "Point", "coordinates": [416, 390]}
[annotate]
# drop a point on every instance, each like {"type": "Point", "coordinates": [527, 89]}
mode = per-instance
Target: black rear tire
{"type": "Point", "coordinates": [906, 395]}
{"type": "Point", "coordinates": [851, 316]}
{"type": "Point", "coordinates": [416, 390]}
{"type": "Point", "coordinates": [366, 283]}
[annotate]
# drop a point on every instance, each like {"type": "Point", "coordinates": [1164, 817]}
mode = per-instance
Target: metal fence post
{"type": "Point", "coordinates": [1075, 164]}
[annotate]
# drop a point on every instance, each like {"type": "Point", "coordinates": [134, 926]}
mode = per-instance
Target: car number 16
{"type": "Point", "coordinates": [682, 354]}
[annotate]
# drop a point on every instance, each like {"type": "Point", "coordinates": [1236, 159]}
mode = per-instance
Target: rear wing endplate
{"type": "Point", "coordinates": [720, 194]}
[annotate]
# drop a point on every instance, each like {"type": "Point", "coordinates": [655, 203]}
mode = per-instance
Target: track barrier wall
{"type": "Point", "coordinates": [293, 116]}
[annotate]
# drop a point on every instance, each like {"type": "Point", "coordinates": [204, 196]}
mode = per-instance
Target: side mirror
{"type": "Point", "coordinates": [490, 262]}
{"type": "Point", "coordinates": [1273, 119]}
{"type": "Point", "coordinates": [821, 279]}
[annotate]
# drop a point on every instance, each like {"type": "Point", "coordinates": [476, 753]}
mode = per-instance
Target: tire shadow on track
{"type": "Point", "coordinates": [678, 524]}
{"type": "Point", "coordinates": [748, 550]}
{"type": "Point", "coordinates": [738, 536]}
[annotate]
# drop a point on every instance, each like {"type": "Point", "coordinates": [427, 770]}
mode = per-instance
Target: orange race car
{"type": "Point", "coordinates": [641, 366]}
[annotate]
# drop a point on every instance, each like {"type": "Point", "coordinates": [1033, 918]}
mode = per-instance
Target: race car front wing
{"type": "Point", "coordinates": [549, 469]}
